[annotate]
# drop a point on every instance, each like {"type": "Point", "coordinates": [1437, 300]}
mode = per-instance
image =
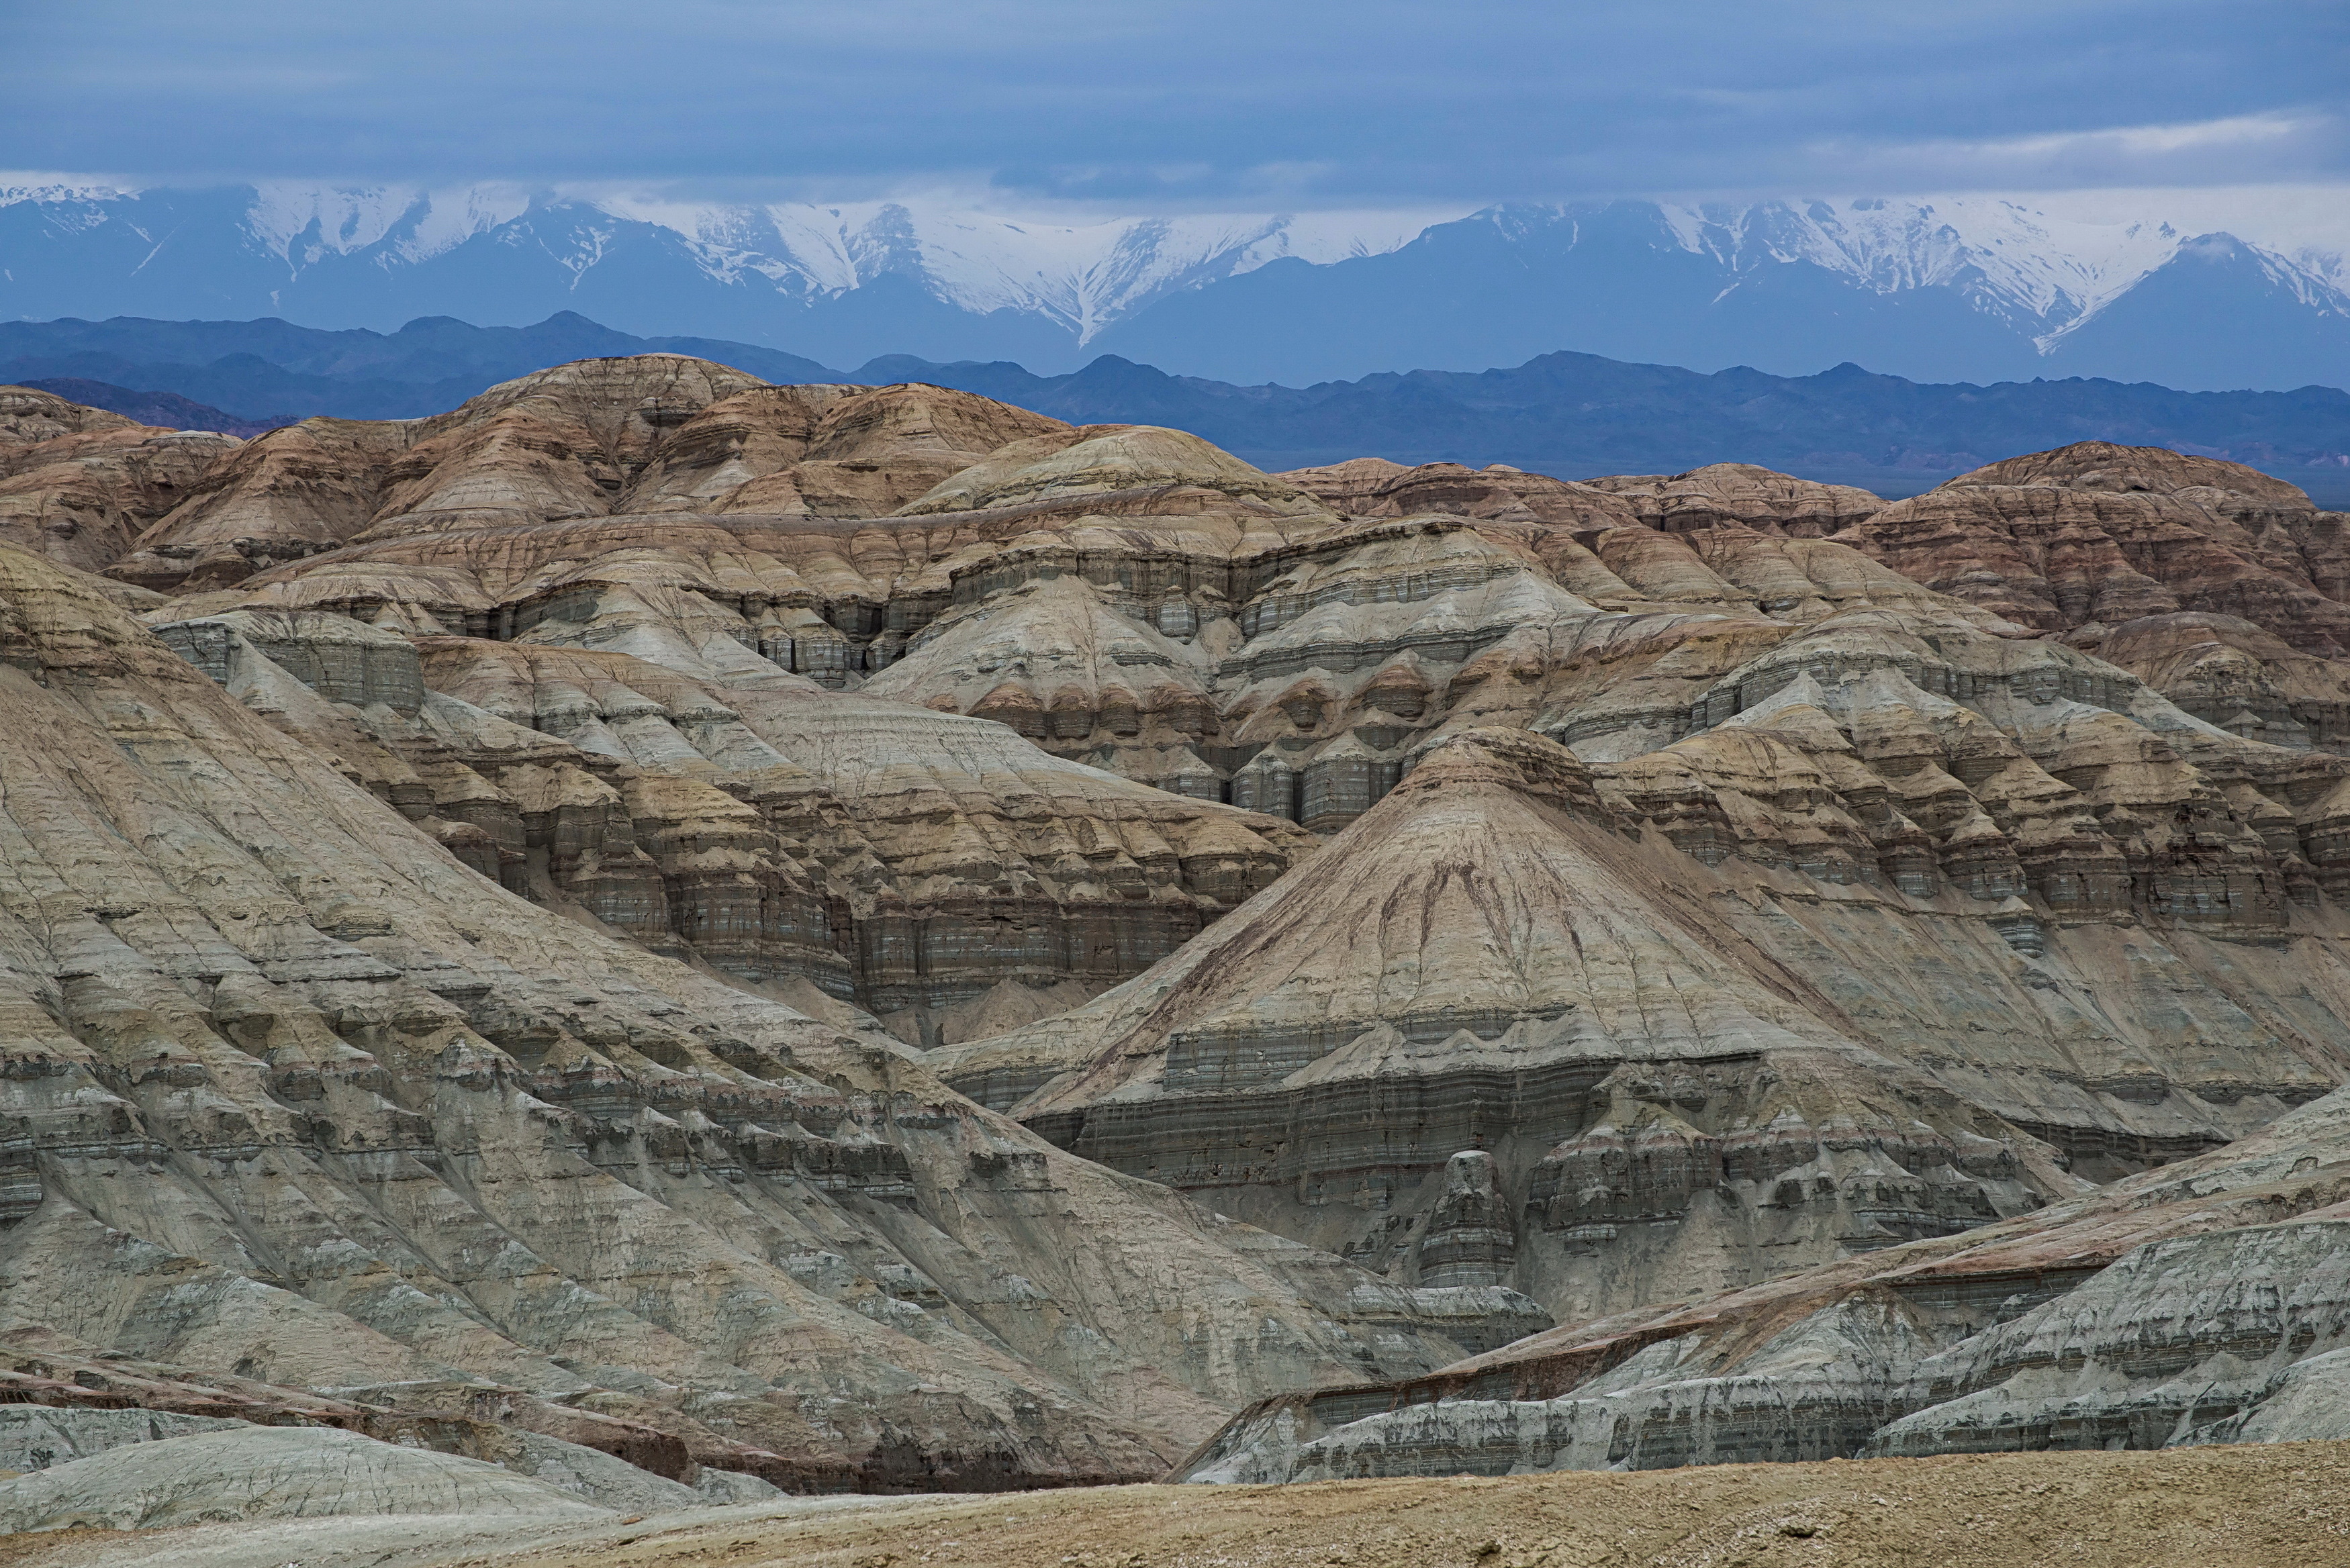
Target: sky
{"type": "Point", "coordinates": [1174, 105]}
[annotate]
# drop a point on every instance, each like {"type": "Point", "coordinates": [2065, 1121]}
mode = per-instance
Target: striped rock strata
{"type": "Point", "coordinates": [2208, 1302]}
{"type": "Point", "coordinates": [1712, 899]}
{"type": "Point", "coordinates": [291, 1094]}
{"type": "Point", "coordinates": [2219, 585]}
{"type": "Point", "coordinates": [908, 862]}
{"type": "Point", "coordinates": [1680, 1075]}
{"type": "Point", "coordinates": [78, 485]}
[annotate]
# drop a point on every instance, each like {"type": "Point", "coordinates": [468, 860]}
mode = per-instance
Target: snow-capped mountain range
{"type": "Point", "coordinates": [1953, 287]}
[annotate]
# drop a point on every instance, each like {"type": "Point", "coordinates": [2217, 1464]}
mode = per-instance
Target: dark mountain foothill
{"type": "Point", "coordinates": [1568, 413]}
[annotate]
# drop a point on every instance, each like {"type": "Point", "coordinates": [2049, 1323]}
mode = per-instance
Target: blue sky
{"type": "Point", "coordinates": [1186, 103]}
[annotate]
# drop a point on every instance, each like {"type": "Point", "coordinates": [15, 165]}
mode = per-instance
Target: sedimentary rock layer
{"type": "Point", "coordinates": [1686, 1059]}
{"type": "Point", "coordinates": [293, 1095]}
{"type": "Point", "coordinates": [2204, 1302]}
{"type": "Point", "coordinates": [2186, 570]}
{"type": "Point", "coordinates": [496, 921]}
{"type": "Point", "coordinates": [78, 485]}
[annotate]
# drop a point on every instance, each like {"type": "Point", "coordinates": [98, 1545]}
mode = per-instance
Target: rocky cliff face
{"type": "Point", "coordinates": [1691, 1060]}
{"type": "Point", "coordinates": [2186, 570]}
{"type": "Point", "coordinates": [78, 485]}
{"type": "Point", "coordinates": [2203, 1303]}
{"type": "Point", "coordinates": [296, 1095]}
{"type": "Point", "coordinates": [909, 862]}
{"type": "Point", "coordinates": [753, 913]}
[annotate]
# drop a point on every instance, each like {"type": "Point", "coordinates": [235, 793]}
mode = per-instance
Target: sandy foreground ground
{"type": "Point", "coordinates": [2280, 1506]}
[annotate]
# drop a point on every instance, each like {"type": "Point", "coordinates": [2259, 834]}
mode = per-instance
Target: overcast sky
{"type": "Point", "coordinates": [1172, 104]}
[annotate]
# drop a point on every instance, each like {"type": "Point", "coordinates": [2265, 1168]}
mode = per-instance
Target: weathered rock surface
{"type": "Point", "coordinates": [78, 485]}
{"type": "Point", "coordinates": [1693, 1059]}
{"type": "Point", "coordinates": [38, 1438]}
{"type": "Point", "coordinates": [1740, 495]}
{"type": "Point", "coordinates": [2173, 566]}
{"type": "Point", "coordinates": [1372, 487]}
{"type": "Point", "coordinates": [260, 1472]}
{"type": "Point", "coordinates": [908, 861]}
{"type": "Point", "coordinates": [656, 433]}
{"type": "Point", "coordinates": [34, 1437]}
{"type": "Point", "coordinates": [66, 1400]}
{"type": "Point", "coordinates": [2203, 1303]}
{"type": "Point", "coordinates": [489, 943]}
{"type": "Point", "coordinates": [294, 1096]}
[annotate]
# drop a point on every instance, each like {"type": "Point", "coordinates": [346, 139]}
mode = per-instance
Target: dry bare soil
{"type": "Point", "coordinates": [2268, 1506]}
{"type": "Point", "coordinates": [2255, 1506]}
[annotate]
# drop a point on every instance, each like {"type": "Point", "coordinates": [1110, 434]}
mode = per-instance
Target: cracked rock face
{"type": "Point", "coordinates": [867, 938]}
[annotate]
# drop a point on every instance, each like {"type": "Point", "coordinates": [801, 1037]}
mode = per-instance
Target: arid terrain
{"type": "Point", "coordinates": [657, 941]}
{"type": "Point", "coordinates": [2230, 1508]}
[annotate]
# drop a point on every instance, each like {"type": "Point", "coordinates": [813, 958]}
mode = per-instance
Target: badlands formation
{"type": "Point", "coordinates": [658, 937]}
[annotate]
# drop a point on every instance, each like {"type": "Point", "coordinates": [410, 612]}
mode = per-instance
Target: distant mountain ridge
{"type": "Point", "coordinates": [1564, 413]}
{"type": "Point", "coordinates": [167, 410]}
{"type": "Point", "coordinates": [428, 367]}
{"type": "Point", "coordinates": [1577, 414]}
{"type": "Point", "coordinates": [1942, 288]}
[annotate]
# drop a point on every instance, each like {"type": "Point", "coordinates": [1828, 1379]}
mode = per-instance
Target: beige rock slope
{"type": "Point", "coordinates": [77, 485]}
{"type": "Point", "coordinates": [293, 1095]}
{"type": "Point", "coordinates": [1726, 877]}
{"type": "Point", "coordinates": [637, 725]}
{"type": "Point", "coordinates": [1965, 857]}
{"type": "Point", "coordinates": [1740, 495]}
{"type": "Point", "coordinates": [2187, 571]}
{"type": "Point", "coordinates": [1513, 1011]}
{"type": "Point", "coordinates": [600, 438]}
{"type": "Point", "coordinates": [2205, 1302]}
{"type": "Point", "coordinates": [910, 862]}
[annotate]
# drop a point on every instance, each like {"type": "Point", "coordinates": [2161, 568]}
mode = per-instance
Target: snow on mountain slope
{"type": "Point", "coordinates": [1080, 275]}
{"type": "Point", "coordinates": [965, 282]}
{"type": "Point", "coordinates": [2037, 269]}
{"type": "Point", "coordinates": [410, 224]}
{"type": "Point", "coordinates": [2025, 262]}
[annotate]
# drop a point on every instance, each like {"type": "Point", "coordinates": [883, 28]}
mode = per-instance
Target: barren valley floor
{"type": "Point", "coordinates": [2228, 1507]}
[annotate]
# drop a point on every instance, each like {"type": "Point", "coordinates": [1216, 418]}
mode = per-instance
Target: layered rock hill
{"type": "Point", "coordinates": [1954, 849]}
{"type": "Point", "coordinates": [514, 903]}
{"type": "Point", "coordinates": [2222, 585]}
{"type": "Point", "coordinates": [1612, 1031]}
{"type": "Point", "coordinates": [927, 868]}
{"type": "Point", "coordinates": [638, 588]}
{"type": "Point", "coordinates": [292, 1095]}
{"type": "Point", "coordinates": [79, 484]}
{"type": "Point", "coordinates": [2205, 1302]}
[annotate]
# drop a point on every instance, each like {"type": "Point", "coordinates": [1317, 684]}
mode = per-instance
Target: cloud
{"type": "Point", "coordinates": [2142, 140]}
{"type": "Point", "coordinates": [1190, 102]}
{"type": "Point", "coordinates": [2265, 146]}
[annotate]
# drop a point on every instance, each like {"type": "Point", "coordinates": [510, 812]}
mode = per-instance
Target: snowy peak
{"type": "Point", "coordinates": [1082, 276]}
{"type": "Point", "coordinates": [1967, 287]}
{"type": "Point", "coordinates": [1079, 276]}
{"type": "Point", "coordinates": [306, 224]}
{"type": "Point", "coordinates": [2017, 260]}
{"type": "Point", "coordinates": [2045, 273]}
{"type": "Point", "coordinates": [2014, 260]}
